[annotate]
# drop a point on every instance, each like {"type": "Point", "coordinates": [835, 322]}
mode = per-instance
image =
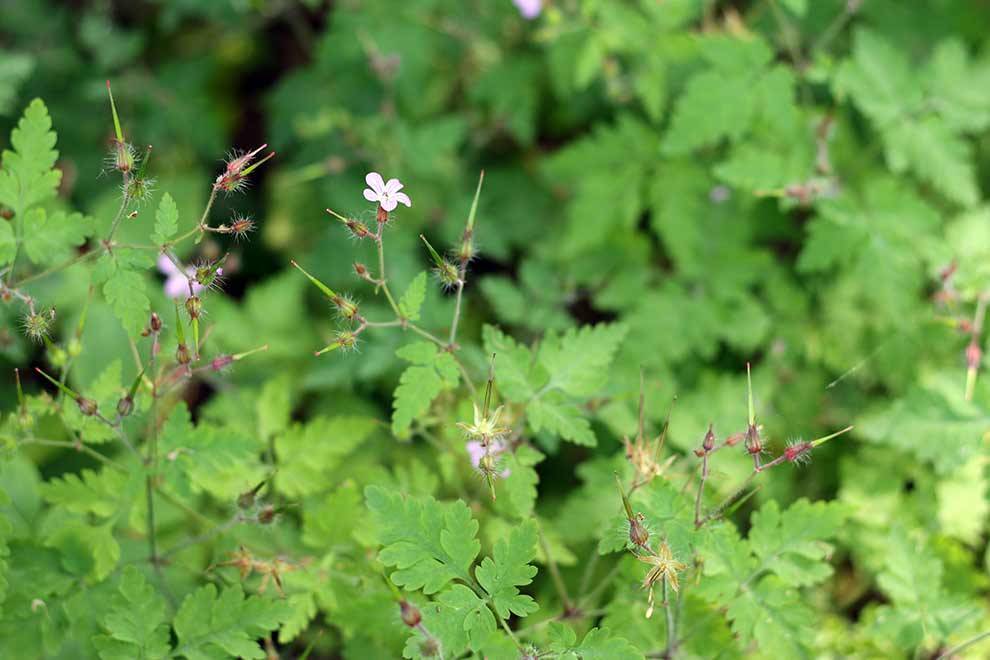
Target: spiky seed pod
{"type": "Point", "coordinates": [241, 227]}
{"type": "Point", "coordinates": [194, 307]}
{"type": "Point", "coordinates": [38, 325]}
{"type": "Point", "coordinates": [347, 340]}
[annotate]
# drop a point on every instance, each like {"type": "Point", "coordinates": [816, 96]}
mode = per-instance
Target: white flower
{"type": "Point", "coordinates": [386, 194]}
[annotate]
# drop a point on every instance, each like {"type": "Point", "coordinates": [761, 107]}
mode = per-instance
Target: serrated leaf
{"type": "Point", "coordinates": [428, 542]}
{"type": "Point", "coordinates": [137, 620]}
{"type": "Point", "coordinates": [52, 238]}
{"type": "Point", "coordinates": [514, 375]}
{"type": "Point", "coordinates": [420, 384]}
{"type": "Point", "coordinates": [509, 568]}
{"type": "Point", "coordinates": [166, 220]}
{"type": "Point", "coordinates": [207, 624]}
{"type": "Point", "coordinates": [792, 544]}
{"type": "Point", "coordinates": [578, 360]}
{"type": "Point", "coordinates": [309, 453]}
{"type": "Point", "coordinates": [124, 291]}
{"type": "Point", "coordinates": [556, 415]}
{"type": "Point", "coordinates": [27, 177]}
{"type": "Point", "coordinates": [412, 299]}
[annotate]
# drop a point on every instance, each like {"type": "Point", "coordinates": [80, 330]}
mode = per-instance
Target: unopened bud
{"type": "Point", "coordinates": [360, 269]}
{"type": "Point", "coordinates": [156, 322]}
{"type": "Point", "coordinates": [88, 407]}
{"type": "Point", "coordinates": [125, 406]}
{"type": "Point", "coordinates": [411, 615]}
{"type": "Point", "coordinates": [182, 355]}
{"type": "Point", "coordinates": [709, 441]}
{"type": "Point", "coordinates": [382, 216]}
{"type": "Point", "coordinates": [194, 306]}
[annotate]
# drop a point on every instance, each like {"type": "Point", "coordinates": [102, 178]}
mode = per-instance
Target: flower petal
{"type": "Point", "coordinates": [476, 451]}
{"type": "Point", "coordinates": [166, 266]}
{"type": "Point", "coordinates": [393, 186]}
{"type": "Point", "coordinates": [374, 181]}
{"type": "Point", "coordinates": [371, 195]}
{"type": "Point", "coordinates": [388, 203]}
{"type": "Point", "coordinates": [402, 197]}
{"type": "Point", "coordinates": [176, 286]}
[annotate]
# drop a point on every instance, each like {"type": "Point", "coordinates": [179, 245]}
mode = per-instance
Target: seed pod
{"type": "Point", "coordinates": [194, 306]}
{"type": "Point", "coordinates": [267, 515]}
{"type": "Point", "coordinates": [709, 442]}
{"type": "Point", "coordinates": [182, 355]}
{"type": "Point", "coordinates": [410, 614]}
{"type": "Point", "coordinates": [754, 444]}
{"type": "Point", "coordinates": [638, 533]}
{"type": "Point", "coordinates": [88, 407]}
{"type": "Point", "coordinates": [125, 406]}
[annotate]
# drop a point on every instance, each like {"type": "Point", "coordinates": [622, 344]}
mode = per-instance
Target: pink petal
{"type": "Point", "coordinates": [402, 197]}
{"type": "Point", "coordinates": [476, 451]}
{"type": "Point", "coordinates": [388, 203]}
{"type": "Point", "coordinates": [166, 266]}
{"type": "Point", "coordinates": [393, 186]}
{"type": "Point", "coordinates": [374, 181]}
{"type": "Point", "coordinates": [530, 9]}
{"type": "Point", "coordinates": [371, 195]}
{"type": "Point", "coordinates": [176, 286]}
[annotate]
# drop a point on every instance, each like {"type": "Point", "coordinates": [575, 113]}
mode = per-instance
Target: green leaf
{"type": "Point", "coordinates": [428, 542]}
{"type": "Point", "coordinates": [598, 643]}
{"type": "Point", "coordinates": [136, 622]}
{"type": "Point", "coordinates": [102, 493]}
{"type": "Point", "coordinates": [791, 544]}
{"type": "Point", "coordinates": [514, 369]}
{"type": "Point", "coordinates": [8, 242]}
{"type": "Point", "coordinates": [166, 220]}
{"type": "Point", "coordinates": [578, 360]}
{"type": "Point", "coordinates": [470, 614]}
{"type": "Point", "coordinates": [431, 373]}
{"type": "Point", "coordinates": [508, 568]}
{"type": "Point", "coordinates": [27, 177]}
{"type": "Point", "coordinates": [412, 300]}
{"type": "Point", "coordinates": [553, 413]}
{"type": "Point", "coordinates": [208, 626]}
{"type": "Point", "coordinates": [308, 453]}
{"type": "Point", "coordinates": [124, 291]}
{"type": "Point", "coordinates": [52, 238]}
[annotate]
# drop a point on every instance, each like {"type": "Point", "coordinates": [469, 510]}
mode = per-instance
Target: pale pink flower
{"type": "Point", "coordinates": [477, 451]}
{"type": "Point", "coordinates": [386, 194]}
{"type": "Point", "coordinates": [529, 9]}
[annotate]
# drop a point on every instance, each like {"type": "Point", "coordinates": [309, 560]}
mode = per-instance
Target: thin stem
{"type": "Point", "coordinates": [964, 645]}
{"type": "Point", "coordinates": [558, 581]}
{"type": "Point", "coordinates": [120, 212]}
{"type": "Point", "coordinates": [701, 490]}
{"type": "Point", "coordinates": [589, 570]}
{"type": "Point", "coordinates": [204, 219]}
{"type": "Point", "coordinates": [206, 536]}
{"type": "Point", "coordinates": [76, 446]}
{"type": "Point", "coordinates": [505, 626]}
{"type": "Point", "coordinates": [717, 511]}
{"type": "Point", "coordinates": [671, 623]}
{"type": "Point", "coordinates": [457, 308]}
{"type": "Point", "coordinates": [60, 267]}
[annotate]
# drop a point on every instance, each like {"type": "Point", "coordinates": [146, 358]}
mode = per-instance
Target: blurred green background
{"type": "Point", "coordinates": [770, 181]}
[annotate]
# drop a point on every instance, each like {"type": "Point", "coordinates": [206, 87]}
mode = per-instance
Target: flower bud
{"type": "Point", "coordinates": [709, 441]}
{"type": "Point", "coordinates": [382, 216]}
{"type": "Point", "coordinates": [125, 406]}
{"type": "Point", "coordinates": [88, 407]}
{"type": "Point", "coordinates": [194, 306]}
{"type": "Point", "coordinates": [221, 362]}
{"type": "Point", "coordinates": [156, 322]}
{"type": "Point", "coordinates": [182, 355]}
{"type": "Point", "coordinates": [360, 269]}
{"type": "Point", "coordinates": [410, 614]}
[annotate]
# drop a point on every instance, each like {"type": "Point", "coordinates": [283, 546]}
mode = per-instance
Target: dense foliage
{"type": "Point", "coordinates": [584, 380]}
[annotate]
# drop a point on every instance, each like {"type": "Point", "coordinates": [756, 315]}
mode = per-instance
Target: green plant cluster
{"type": "Point", "coordinates": [677, 352]}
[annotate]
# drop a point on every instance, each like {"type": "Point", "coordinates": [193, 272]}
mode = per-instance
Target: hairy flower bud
{"type": "Point", "coordinates": [797, 451]}
{"type": "Point", "coordinates": [410, 614]}
{"type": "Point", "coordinates": [221, 362]}
{"type": "Point", "coordinates": [360, 269]}
{"type": "Point", "coordinates": [156, 322]}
